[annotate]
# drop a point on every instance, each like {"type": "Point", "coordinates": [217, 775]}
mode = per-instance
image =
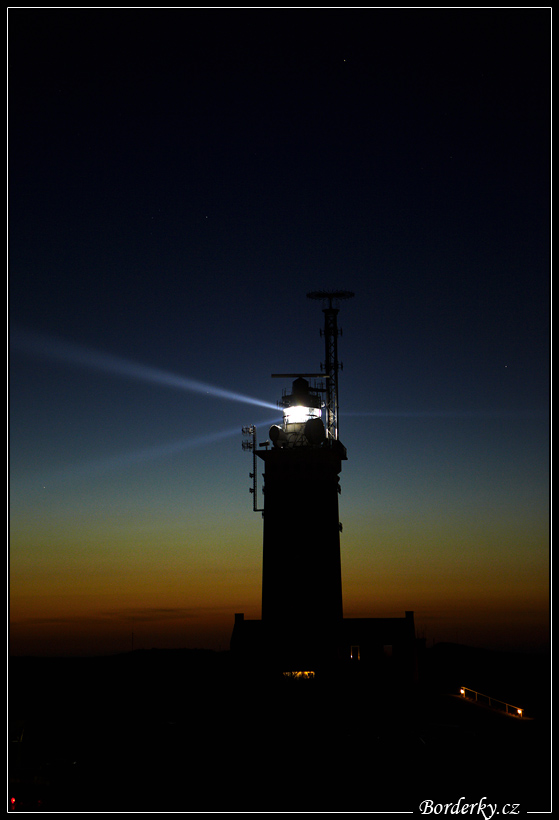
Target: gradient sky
{"type": "Point", "coordinates": [178, 181]}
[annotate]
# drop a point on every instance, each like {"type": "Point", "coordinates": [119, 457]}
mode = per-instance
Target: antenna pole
{"type": "Point", "coordinates": [250, 444]}
{"type": "Point", "coordinates": [331, 364]}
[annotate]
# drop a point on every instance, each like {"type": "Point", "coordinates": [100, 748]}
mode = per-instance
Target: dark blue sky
{"type": "Point", "coordinates": [178, 181]}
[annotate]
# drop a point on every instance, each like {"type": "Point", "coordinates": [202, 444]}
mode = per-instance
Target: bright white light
{"type": "Point", "coordinates": [300, 414]}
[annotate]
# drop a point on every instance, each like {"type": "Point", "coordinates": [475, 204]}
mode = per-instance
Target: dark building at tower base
{"type": "Point", "coordinates": [383, 650]}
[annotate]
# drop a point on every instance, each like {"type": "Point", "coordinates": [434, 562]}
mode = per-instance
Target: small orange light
{"type": "Point", "coordinates": [519, 712]}
{"type": "Point", "coordinates": [461, 691]}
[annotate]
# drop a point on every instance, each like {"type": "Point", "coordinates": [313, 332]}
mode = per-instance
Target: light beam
{"type": "Point", "coordinates": [59, 350]}
{"type": "Point", "coordinates": [123, 461]}
{"type": "Point", "coordinates": [447, 414]}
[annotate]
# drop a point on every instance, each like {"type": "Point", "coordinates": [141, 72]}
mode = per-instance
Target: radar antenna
{"type": "Point", "coordinates": [331, 364]}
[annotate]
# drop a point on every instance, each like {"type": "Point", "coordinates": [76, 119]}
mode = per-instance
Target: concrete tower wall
{"type": "Point", "coordinates": [301, 583]}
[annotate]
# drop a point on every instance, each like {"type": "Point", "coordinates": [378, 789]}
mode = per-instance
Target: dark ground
{"type": "Point", "coordinates": [185, 731]}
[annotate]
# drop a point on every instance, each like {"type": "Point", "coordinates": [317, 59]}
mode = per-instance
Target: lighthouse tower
{"type": "Point", "coordinates": [302, 610]}
{"type": "Point", "coordinates": [301, 574]}
{"type": "Point", "coordinates": [302, 630]}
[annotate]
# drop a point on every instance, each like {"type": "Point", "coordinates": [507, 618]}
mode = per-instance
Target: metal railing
{"type": "Point", "coordinates": [493, 703]}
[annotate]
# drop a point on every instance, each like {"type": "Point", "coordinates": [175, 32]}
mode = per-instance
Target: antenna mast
{"type": "Point", "coordinates": [331, 364]}
{"type": "Point", "coordinates": [250, 444]}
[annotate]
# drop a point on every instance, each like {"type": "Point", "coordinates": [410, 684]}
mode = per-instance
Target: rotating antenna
{"type": "Point", "coordinates": [331, 364]}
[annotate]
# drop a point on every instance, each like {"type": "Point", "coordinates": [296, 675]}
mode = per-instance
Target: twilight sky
{"type": "Point", "coordinates": [178, 181]}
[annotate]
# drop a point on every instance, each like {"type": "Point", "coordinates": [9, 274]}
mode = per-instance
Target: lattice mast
{"type": "Point", "coordinates": [331, 365]}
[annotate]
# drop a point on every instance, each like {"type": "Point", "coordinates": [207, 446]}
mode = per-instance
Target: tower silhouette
{"type": "Point", "coordinates": [302, 629]}
{"type": "Point", "coordinates": [301, 578]}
